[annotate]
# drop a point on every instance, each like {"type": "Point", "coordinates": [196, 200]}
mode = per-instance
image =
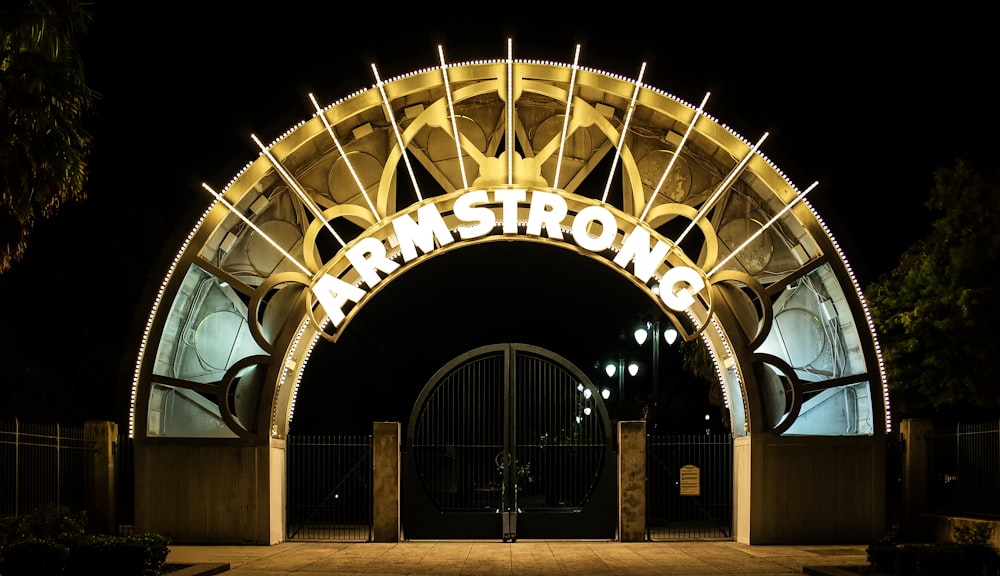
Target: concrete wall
{"type": "Point", "coordinates": [801, 490]}
{"type": "Point", "coordinates": [210, 493]}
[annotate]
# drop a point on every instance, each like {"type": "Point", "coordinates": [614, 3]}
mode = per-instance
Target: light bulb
{"type": "Point", "coordinates": [640, 335]}
{"type": "Point", "coordinates": [670, 334]}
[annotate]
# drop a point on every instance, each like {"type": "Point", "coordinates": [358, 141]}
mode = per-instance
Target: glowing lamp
{"type": "Point", "coordinates": [670, 334]}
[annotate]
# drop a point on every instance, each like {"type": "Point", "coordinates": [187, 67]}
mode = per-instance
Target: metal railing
{"type": "Point", "coordinates": [689, 487]}
{"type": "Point", "coordinates": [329, 488]}
{"type": "Point", "coordinates": [44, 465]}
{"type": "Point", "coordinates": [965, 479]}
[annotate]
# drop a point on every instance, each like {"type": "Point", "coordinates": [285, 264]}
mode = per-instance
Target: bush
{"type": "Point", "coordinates": [977, 533]}
{"type": "Point", "coordinates": [947, 558]}
{"type": "Point", "coordinates": [48, 523]}
{"type": "Point", "coordinates": [882, 555]}
{"type": "Point", "coordinates": [55, 542]}
{"type": "Point", "coordinates": [905, 563]}
{"type": "Point", "coordinates": [139, 555]}
{"type": "Point", "coordinates": [34, 556]}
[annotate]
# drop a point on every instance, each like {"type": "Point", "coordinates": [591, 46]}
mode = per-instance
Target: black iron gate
{"type": "Point", "coordinates": [509, 441]}
{"type": "Point", "coordinates": [689, 486]}
{"type": "Point", "coordinates": [329, 488]}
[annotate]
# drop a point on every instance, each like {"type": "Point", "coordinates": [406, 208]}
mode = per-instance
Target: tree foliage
{"type": "Point", "coordinates": [936, 312]}
{"type": "Point", "coordinates": [44, 99]}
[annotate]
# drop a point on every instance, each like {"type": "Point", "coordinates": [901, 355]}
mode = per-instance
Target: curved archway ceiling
{"type": "Point", "coordinates": [237, 316]}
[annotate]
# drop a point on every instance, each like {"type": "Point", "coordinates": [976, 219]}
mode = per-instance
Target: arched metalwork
{"type": "Point", "coordinates": [236, 318]}
{"type": "Point", "coordinates": [511, 439]}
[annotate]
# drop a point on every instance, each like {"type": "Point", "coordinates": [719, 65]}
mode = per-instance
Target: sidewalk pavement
{"type": "Point", "coordinates": [521, 558]}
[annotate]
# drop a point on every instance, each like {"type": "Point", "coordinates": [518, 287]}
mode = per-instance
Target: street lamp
{"type": "Point", "coordinates": [642, 333]}
{"type": "Point", "coordinates": [619, 367]}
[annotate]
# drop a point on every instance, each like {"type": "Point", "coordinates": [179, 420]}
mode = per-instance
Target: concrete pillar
{"type": "Point", "coordinates": [632, 481]}
{"type": "Point", "coordinates": [104, 439]}
{"type": "Point", "coordinates": [917, 436]}
{"type": "Point", "coordinates": [385, 482]}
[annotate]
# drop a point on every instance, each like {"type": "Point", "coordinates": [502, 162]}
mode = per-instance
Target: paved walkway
{"type": "Point", "coordinates": [524, 557]}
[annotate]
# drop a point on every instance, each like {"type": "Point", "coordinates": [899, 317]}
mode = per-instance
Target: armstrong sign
{"type": "Point", "coordinates": [476, 211]}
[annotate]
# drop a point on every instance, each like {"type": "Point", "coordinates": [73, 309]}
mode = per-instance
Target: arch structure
{"type": "Point", "coordinates": [606, 166]}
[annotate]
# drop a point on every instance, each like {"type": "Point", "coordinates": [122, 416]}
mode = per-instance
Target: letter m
{"type": "Point", "coordinates": [412, 235]}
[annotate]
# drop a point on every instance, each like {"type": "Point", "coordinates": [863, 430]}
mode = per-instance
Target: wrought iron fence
{"type": "Point", "coordinates": [965, 478]}
{"type": "Point", "coordinates": [44, 465]}
{"type": "Point", "coordinates": [689, 487]}
{"type": "Point", "coordinates": [329, 487]}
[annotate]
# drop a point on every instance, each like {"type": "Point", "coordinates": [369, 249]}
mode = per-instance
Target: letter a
{"type": "Point", "coordinates": [333, 293]}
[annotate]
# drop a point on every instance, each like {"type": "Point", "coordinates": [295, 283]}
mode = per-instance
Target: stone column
{"type": "Point", "coordinates": [104, 439]}
{"type": "Point", "coordinates": [632, 481]}
{"type": "Point", "coordinates": [385, 482]}
{"type": "Point", "coordinates": [917, 436]}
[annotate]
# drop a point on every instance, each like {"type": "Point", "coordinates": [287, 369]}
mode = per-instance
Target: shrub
{"type": "Point", "coordinates": [975, 533]}
{"type": "Point", "coordinates": [905, 563]}
{"type": "Point", "coordinates": [882, 555]}
{"type": "Point", "coordinates": [34, 557]}
{"type": "Point", "coordinates": [139, 555]}
{"type": "Point", "coordinates": [53, 541]}
{"type": "Point", "coordinates": [47, 523]}
{"type": "Point", "coordinates": [945, 558]}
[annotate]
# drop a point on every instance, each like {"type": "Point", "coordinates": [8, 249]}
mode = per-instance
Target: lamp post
{"type": "Point", "coordinates": [642, 333]}
{"type": "Point", "coordinates": [618, 367]}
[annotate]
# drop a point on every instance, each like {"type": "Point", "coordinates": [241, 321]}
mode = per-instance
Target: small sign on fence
{"type": "Point", "coordinates": [690, 480]}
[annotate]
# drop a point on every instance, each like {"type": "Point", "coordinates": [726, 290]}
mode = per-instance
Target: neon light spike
{"type": "Point", "coordinates": [673, 159]}
{"type": "Point", "coordinates": [510, 112]}
{"type": "Point", "coordinates": [395, 129]}
{"type": "Point", "coordinates": [343, 154]}
{"type": "Point", "coordinates": [762, 229]}
{"type": "Point", "coordinates": [232, 209]}
{"type": "Point", "coordinates": [454, 121]}
{"type": "Point", "coordinates": [722, 188]}
{"type": "Point", "coordinates": [569, 104]}
{"type": "Point", "coordinates": [621, 140]}
{"type": "Point", "coordinates": [293, 183]}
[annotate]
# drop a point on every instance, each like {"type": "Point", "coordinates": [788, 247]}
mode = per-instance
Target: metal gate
{"type": "Point", "coordinates": [509, 441]}
{"type": "Point", "coordinates": [329, 488]}
{"type": "Point", "coordinates": [689, 487]}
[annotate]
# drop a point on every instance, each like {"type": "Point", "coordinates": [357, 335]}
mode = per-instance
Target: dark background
{"type": "Point", "coordinates": [868, 99]}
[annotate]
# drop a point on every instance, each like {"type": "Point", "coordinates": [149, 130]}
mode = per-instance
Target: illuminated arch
{"type": "Point", "coordinates": [783, 315]}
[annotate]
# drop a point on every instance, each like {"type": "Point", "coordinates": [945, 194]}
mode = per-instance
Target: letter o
{"type": "Point", "coordinates": [582, 221]}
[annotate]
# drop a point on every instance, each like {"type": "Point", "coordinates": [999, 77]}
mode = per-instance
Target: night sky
{"type": "Point", "coordinates": [867, 100]}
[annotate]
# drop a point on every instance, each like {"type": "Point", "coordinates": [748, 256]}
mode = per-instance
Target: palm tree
{"type": "Point", "coordinates": [44, 98]}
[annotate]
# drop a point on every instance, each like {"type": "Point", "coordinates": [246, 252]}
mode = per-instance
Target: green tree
{"type": "Point", "coordinates": [44, 100]}
{"type": "Point", "coordinates": [936, 312]}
